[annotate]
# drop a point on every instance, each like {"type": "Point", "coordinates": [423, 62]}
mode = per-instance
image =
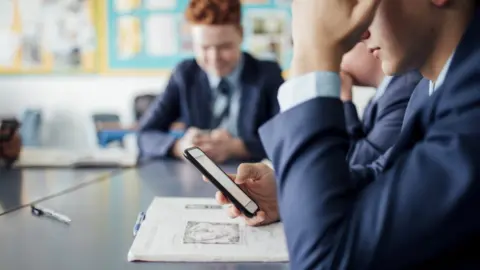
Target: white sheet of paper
{"type": "Point", "coordinates": [197, 230]}
{"type": "Point", "coordinates": [161, 35]}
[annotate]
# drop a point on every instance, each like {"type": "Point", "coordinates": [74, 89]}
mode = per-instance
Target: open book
{"type": "Point", "coordinates": [44, 157]}
{"type": "Point", "coordinates": [198, 230]}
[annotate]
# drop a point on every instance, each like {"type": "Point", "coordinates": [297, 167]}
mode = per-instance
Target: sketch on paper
{"type": "Point", "coordinates": [197, 232]}
{"type": "Point", "coordinates": [202, 206]}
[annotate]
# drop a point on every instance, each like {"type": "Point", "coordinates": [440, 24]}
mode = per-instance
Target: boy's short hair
{"type": "Point", "coordinates": [214, 12]}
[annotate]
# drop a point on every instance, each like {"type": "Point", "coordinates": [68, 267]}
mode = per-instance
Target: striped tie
{"type": "Point", "coordinates": [221, 107]}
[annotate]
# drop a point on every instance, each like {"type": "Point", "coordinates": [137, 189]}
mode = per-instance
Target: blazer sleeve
{"type": "Point", "coordinates": [352, 121]}
{"type": "Point", "coordinates": [363, 174]}
{"type": "Point", "coordinates": [391, 109]}
{"type": "Point", "coordinates": [154, 140]}
{"type": "Point", "coordinates": [426, 192]}
{"type": "Point", "coordinates": [273, 80]}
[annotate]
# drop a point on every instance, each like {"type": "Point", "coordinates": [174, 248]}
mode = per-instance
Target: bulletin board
{"type": "Point", "coordinates": [48, 36]}
{"type": "Point", "coordinates": [152, 35]}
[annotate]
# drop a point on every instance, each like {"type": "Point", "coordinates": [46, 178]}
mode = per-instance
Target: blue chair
{"type": "Point", "coordinates": [106, 135]}
{"type": "Point", "coordinates": [141, 104]}
{"type": "Point", "coordinates": [30, 129]}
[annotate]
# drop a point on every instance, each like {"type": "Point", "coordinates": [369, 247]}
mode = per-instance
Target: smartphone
{"type": "Point", "coordinates": [221, 180]}
{"type": "Point", "coordinates": [8, 127]}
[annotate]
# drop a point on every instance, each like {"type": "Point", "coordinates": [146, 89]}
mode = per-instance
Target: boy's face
{"type": "Point", "coordinates": [217, 47]}
{"type": "Point", "coordinates": [402, 34]}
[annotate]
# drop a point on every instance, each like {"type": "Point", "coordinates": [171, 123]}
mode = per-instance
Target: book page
{"type": "Point", "coordinates": [193, 229]}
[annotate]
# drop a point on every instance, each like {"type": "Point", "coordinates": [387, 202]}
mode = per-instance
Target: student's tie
{"type": "Point", "coordinates": [221, 106]}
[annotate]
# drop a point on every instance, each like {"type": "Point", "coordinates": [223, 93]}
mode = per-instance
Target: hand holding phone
{"type": "Point", "coordinates": [221, 180]}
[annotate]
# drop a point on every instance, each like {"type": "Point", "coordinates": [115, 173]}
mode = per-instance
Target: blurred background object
{"type": "Point", "coordinates": [59, 66]}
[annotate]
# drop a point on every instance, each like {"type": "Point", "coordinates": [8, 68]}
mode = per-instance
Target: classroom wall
{"type": "Point", "coordinates": [68, 102]}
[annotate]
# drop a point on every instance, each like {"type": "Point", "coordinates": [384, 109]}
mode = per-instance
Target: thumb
{"type": "Point", "coordinates": [364, 12]}
{"type": "Point", "coordinates": [244, 172]}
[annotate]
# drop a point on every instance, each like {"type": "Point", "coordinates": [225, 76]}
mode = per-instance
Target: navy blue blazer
{"type": "Point", "coordinates": [421, 212]}
{"type": "Point", "coordinates": [188, 97]}
{"type": "Point", "coordinates": [381, 122]}
{"type": "Point", "coordinates": [363, 174]}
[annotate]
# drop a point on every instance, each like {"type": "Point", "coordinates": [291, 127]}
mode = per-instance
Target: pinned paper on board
{"type": "Point", "coordinates": [283, 2]}
{"type": "Point", "coordinates": [166, 37]}
{"type": "Point", "coordinates": [268, 34]}
{"type": "Point", "coordinates": [10, 45]}
{"type": "Point", "coordinates": [127, 5]}
{"type": "Point", "coordinates": [68, 33]}
{"type": "Point", "coordinates": [129, 40]}
{"type": "Point", "coordinates": [47, 35]}
{"type": "Point", "coordinates": [6, 14]}
{"type": "Point", "coordinates": [161, 35]}
{"type": "Point", "coordinates": [160, 4]}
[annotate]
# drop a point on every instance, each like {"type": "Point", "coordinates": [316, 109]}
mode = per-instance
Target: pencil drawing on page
{"type": "Point", "coordinates": [211, 233]}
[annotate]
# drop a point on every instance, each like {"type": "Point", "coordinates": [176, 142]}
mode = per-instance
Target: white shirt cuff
{"type": "Point", "coordinates": [309, 86]}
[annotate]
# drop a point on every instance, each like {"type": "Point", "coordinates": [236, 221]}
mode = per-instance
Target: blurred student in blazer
{"type": "Point", "coordinates": [380, 126]}
{"type": "Point", "coordinates": [222, 95]}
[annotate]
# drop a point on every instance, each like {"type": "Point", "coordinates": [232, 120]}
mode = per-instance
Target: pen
{"type": "Point", "coordinates": [138, 223]}
{"type": "Point", "coordinates": [40, 211]}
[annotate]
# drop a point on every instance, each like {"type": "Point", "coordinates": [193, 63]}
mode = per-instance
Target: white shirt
{"type": "Point", "coordinates": [234, 79]}
{"type": "Point", "coordinates": [382, 87]}
{"type": "Point", "coordinates": [441, 76]}
{"type": "Point", "coordinates": [326, 84]}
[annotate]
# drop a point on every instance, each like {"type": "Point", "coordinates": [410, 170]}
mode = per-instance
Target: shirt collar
{"type": "Point", "coordinates": [441, 77]}
{"type": "Point", "coordinates": [231, 78]}
{"type": "Point", "coordinates": [382, 87]}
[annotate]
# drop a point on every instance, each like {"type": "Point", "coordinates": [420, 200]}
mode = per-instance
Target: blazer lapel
{"type": "Point", "coordinates": [249, 99]}
{"type": "Point", "coordinates": [414, 121]}
{"type": "Point", "coordinates": [201, 102]}
{"type": "Point", "coordinates": [418, 98]}
{"type": "Point", "coordinates": [418, 115]}
{"type": "Point", "coordinates": [369, 115]}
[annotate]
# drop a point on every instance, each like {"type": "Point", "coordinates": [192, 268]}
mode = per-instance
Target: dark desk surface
{"type": "Point", "coordinates": [20, 187]}
{"type": "Point", "coordinates": [103, 215]}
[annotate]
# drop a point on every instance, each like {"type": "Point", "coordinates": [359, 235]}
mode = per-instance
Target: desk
{"type": "Point", "coordinates": [21, 187]}
{"type": "Point", "coordinates": [103, 215]}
